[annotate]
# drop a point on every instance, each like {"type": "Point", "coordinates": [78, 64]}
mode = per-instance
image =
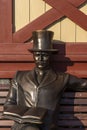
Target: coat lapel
{"type": "Point", "coordinates": [32, 77]}
{"type": "Point", "coordinates": [49, 77]}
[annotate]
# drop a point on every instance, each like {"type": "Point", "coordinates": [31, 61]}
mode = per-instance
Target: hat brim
{"type": "Point", "coordinates": [41, 50]}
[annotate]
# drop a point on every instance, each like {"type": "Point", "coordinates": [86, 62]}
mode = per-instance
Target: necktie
{"type": "Point", "coordinates": [40, 76]}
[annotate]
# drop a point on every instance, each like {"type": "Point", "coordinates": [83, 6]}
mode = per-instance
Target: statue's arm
{"type": "Point", "coordinates": [77, 84]}
{"type": "Point", "coordinates": [12, 95]}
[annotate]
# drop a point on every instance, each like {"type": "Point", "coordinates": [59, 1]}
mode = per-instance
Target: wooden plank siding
{"type": "Point", "coordinates": [68, 10]}
{"type": "Point", "coordinates": [17, 57]}
{"type": "Point", "coordinates": [5, 21]}
{"type": "Point", "coordinates": [46, 19]}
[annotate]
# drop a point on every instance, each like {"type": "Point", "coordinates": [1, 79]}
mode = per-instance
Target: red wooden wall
{"type": "Point", "coordinates": [14, 53]}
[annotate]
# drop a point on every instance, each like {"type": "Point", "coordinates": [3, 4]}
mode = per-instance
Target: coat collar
{"type": "Point", "coordinates": [49, 77]}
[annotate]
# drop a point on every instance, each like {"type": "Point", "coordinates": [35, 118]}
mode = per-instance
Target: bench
{"type": "Point", "coordinates": [72, 58]}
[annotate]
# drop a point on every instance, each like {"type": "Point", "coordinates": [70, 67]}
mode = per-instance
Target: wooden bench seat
{"type": "Point", "coordinates": [73, 111]}
{"type": "Point", "coordinates": [4, 124]}
{"type": "Point", "coordinates": [72, 115]}
{"type": "Point", "coordinates": [73, 105]}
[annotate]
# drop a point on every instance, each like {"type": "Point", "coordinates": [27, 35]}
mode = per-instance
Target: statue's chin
{"type": "Point", "coordinates": [42, 66]}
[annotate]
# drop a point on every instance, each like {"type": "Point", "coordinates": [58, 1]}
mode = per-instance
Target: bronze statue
{"type": "Point", "coordinates": [42, 86]}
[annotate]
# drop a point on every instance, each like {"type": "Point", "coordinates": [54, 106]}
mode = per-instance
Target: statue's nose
{"type": "Point", "coordinates": [40, 57]}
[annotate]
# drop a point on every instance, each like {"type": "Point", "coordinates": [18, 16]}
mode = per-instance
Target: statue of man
{"type": "Point", "coordinates": [42, 86]}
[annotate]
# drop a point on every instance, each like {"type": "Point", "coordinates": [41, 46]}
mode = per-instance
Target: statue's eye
{"type": "Point", "coordinates": [37, 55]}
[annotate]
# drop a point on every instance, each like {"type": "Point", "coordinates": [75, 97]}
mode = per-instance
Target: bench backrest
{"type": "Point", "coordinates": [72, 58]}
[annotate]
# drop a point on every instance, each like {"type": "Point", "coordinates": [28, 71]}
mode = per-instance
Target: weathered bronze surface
{"type": "Point", "coordinates": [42, 86]}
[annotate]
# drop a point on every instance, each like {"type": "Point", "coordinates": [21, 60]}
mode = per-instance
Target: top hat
{"type": "Point", "coordinates": [42, 41]}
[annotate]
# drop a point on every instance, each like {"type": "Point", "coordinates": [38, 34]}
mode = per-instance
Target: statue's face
{"type": "Point", "coordinates": [41, 59]}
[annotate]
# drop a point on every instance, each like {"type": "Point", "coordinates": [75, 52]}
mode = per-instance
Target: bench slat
{"type": "Point", "coordinates": [1, 108]}
{"type": "Point", "coordinates": [5, 128]}
{"type": "Point", "coordinates": [4, 87]}
{"type": "Point", "coordinates": [74, 101]}
{"type": "Point", "coordinates": [75, 94]}
{"type": "Point", "coordinates": [73, 109]}
{"type": "Point", "coordinates": [74, 123]}
{"type": "Point", "coordinates": [6, 123]}
{"type": "Point", "coordinates": [3, 93]}
{"type": "Point", "coordinates": [72, 128]}
{"type": "Point", "coordinates": [2, 101]}
{"type": "Point", "coordinates": [67, 116]}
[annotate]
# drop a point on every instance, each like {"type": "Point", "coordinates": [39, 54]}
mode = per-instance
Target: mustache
{"type": "Point", "coordinates": [41, 62]}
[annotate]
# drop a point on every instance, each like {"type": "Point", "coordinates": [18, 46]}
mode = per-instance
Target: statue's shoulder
{"type": "Point", "coordinates": [20, 77]}
{"type": "Point", "coordinates": [63, 76]}
{"type": "Point", "coordinates": [21, 74]}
